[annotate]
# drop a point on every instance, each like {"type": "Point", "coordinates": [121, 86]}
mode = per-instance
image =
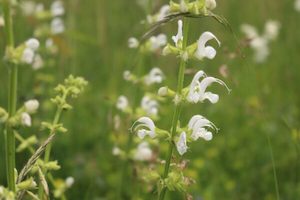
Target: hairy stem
{"type": "Point", "coordinates": [12, 98]}
{"type": "Point", "coordinates": [176, 114]}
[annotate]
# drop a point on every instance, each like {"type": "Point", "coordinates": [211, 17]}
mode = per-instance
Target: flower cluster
{"type": "Point", "coordinates": [195, 7]}
{"type": "Point", "coordinates": [260, 43]}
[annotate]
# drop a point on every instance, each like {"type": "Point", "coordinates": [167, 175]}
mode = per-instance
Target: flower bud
{"type": "Point", "coordinates": [163, 91]}
{"type": "Point", "coordinates": [27, 184]}
{"type": "Point", "coordinates": [133, 43]}
{"type": "Point", "coordinates": [210, 4]}
{"type": "Point", "coordinates": [69, 181]}
{"type": "Point", "coordinates": [25, 119]}
{"type": "Point", "coordinates": [31, 106]}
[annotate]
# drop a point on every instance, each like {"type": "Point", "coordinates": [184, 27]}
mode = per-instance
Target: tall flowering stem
{"type": "Point", "coordinates": [12, 98]}
{"type": "Point", "coordinates": [176, 114]}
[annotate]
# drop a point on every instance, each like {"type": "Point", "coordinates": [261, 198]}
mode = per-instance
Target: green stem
{"type": "Point", "coordinates": [49, 147]}
{"type": "Point", "coordinates": [12, 99]}
{"type": "Point", "coordinates": [176, 114]}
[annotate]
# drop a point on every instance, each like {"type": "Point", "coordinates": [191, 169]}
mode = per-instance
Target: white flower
{"type": "Point", "coordinates": [2, 22]}
{"type": "Point", "coordinates": [150, 106]}
{"type": "Point", "coordinates": [28, 7]}
{"type": "Point", "coordinates": [143, 152]}
{"type": "Point", "coordinates": [69, 181]}
{"type": "Point", "coordinates": [133, 43]}
{"type": "Point", "coordinates": [33, 44]}
{"type": "Point", "coordinates": [164, 10]}
{"type": "Point", "coordinates": [31, 106]}
{"type": "Point", "coordinates": [197, 125]}
{"type": "Point", "coordinates": [157, 42]}
{"type": "Point", "coordinates": [155, 76]}
{"type": "Point", "coordinates": [145, 127]}
{"type": "Point", "coordinates": [179, 37]}
{"type": "Point", "coordinates": [122, 103]}
{"type": "Point", "coordinates": [181, 144]}
{"type": "Point", "coordinates": [116, 151]}
{"type": "Point", "coordinates": [57, 8]}
{"type": "Point", "coordinates": [39, 8]}
{"type": "Point", "coordinates": [206, 51]}
{"type": "Point", "coordinates": [38, 62]}
{"type": "Point", "coordinates": [197, 90]}
{"type": "Point", "coordinates": [210, 4]}
{"type": "Point", "coordinates": [271, 30]}
{"type": "Point", "coordinates": [249, 31]}
{"type": "Point", "coordinates": [261, 49]}
{"type": "Point", "coordinates": [297, 5]}
{"type": "Point", "coordinates": [127, 75]}
{"type": "Point", "coordinates": [25, 119]}
{"type": "Point", "coordinates": [27, 56]}
{"type": "Point", "coordinates": [57, 26]}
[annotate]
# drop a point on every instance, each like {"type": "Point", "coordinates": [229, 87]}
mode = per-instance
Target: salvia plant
{"type": "Point", "coordinates": [32, 181]}
{"type": "Point", "coordinates": [178, 136]}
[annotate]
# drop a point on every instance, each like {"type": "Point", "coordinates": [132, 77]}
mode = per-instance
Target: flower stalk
{"type": "Point", "coordinates": [176, 114]}
{"type": "Point", "coordinates": [12, 98]}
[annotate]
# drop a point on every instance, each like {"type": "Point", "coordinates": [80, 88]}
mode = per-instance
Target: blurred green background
{"type": "Point", "coordinates": [259, 117]}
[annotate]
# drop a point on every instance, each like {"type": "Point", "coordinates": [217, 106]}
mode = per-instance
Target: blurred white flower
{"type": "Point", "coordinates": [143, 152]}
{"type": "Point", "coordinates": [57, 26]}
{"type": "Point", "coordinates": [162, 13]}
{"type": "Point", "coordinates": [157, 42]}
{"type": "Point", "coordinates": [32, 43]}
{"type": "Point", "coordinates": [127, 75]}
{"type": "Point", "coordinates": [57, 8]}
{"type": "Point", "coordinates": [117, 122]}
{"type": "Point", "coordinates": [122, 103]}
{"type": "Point", "coordinates": [260, 43]}
{"type": "Point", "coordinates": [181, 144]}
{"type": "Point", "coordinates": [154, 76]}
{"type": "Point", "coordinates": [116, 151]}
{"type": "Point", "coordinates": [25, 119]}
{"type": "Point", "coordinates": [150, 106]}
{"type": "Point", "coordinates": [31, 106]}
{"type": "Point", "coordinates": [249, 31]}
{"type": "Point", "coordinates": [31, 46]}
{"type": "Point", "coordinates": [179, 37]}
{"type": "Point", "coordinates": [197, 90]}
{"type": "Point", "coordinates": [2, 23]}
{"type": "Point", "coordinates": [27, 56]}
{"type": "Point", "coordinates": [210, 4]}
{"type": "Point", "coordinates": [39, 8]}
{"type": "Point", "coordinates": [145, 126]}
{"type": "Point", "coordinates": [133, 43]}
{"type": "Point", "coordinates": [297, 5]}
{"type": "Point", "coordinates": [271, 30]}
{"type": "Point", "coordinates": [69, 181]}
{"type": "Point", "coordinates": [198, 125]}
{"type": "Point", "coordinates": [38, 62]}
{"type": "Point", "coordinates": [206, 51]}
{"type": "Point", "coordinates": [163, 91]}
{"type": "Point", "coordinates": [28, 7]}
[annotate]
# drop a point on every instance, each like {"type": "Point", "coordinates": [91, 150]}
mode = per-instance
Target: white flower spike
{"type": "Point", "coordinates": [197, 90]}
{"type": "Point", "coordinates": [179, 36]}
{"type": "Point", "coordinates": [181, 144]}
{"type": "Point", "coordinates": [206, 51]}
{"type": "Point", "coordinates": [198, 125]}
{"type": "Point", "coordinates": [31, 106]}
{"type": "Point", "coordinates": [145, 127]}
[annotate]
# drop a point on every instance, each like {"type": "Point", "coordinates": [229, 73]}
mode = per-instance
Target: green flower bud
{"type": "Point", "coordinates": [27, 143]}
{"type": "Point", "coordinates": [27, 184]}
{"type": "Point", "coordinates": [3, 115]}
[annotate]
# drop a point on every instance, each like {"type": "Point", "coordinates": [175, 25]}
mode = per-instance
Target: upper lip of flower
{"type": "Point", "coordinates": [197, 90]}
{"type": "Point", "coordinates": [206, 51]}
{"type": "Point", "coordinates": [145, 122]}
